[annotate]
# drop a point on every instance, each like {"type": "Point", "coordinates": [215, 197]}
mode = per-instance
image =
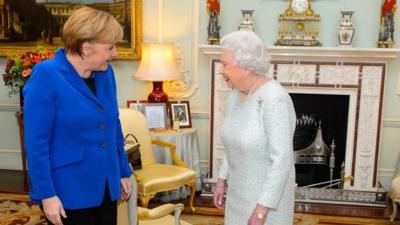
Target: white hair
{"type": "Point", "coordinates": [248, 50]}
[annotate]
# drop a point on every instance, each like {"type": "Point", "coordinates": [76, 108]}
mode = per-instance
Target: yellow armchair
{"type": "Point", "coordinates": [394, 193]}
{"type": "Point", "coordinates": [130, 214]}
{"type": "Point", "coordinates": [153, 177]}
{"type": "Point", "coordinates": [395, 196]}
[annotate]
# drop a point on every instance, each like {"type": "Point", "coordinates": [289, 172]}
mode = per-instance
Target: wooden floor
{"type": "Point", "coordinates": [13, 182]}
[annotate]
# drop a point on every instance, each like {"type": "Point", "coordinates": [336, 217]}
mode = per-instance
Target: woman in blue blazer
{"type": "Point", "coordinates": [76, 159]}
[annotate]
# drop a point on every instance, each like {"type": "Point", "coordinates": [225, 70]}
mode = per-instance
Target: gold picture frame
{"type": "Point", "coordinates": [130, 48]}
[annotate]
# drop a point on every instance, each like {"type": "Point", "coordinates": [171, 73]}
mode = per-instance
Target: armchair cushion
{"type": "Point", "coordinates": [159, 221]}
{"type": "Point", "coordinates": [162, 177]}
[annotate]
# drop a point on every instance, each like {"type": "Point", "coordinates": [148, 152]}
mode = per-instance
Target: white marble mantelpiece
{"type": "Point", "coordinates": [278, 52]}
{"type": "Point", "coordinates": [359, 73]}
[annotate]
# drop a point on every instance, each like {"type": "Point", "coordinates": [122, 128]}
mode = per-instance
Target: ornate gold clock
{"type": "Point", "coordinates": [298, 25]}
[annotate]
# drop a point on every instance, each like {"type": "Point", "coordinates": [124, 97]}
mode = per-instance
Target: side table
{"type": "Point", "coordinates": [20, 122]}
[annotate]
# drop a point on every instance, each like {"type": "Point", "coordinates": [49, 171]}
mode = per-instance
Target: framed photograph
{"type": "Point", "coordinates": [156, 115]}
{"type": "Point", "coordinates": [180, 110]}
{"type": "Point", "coordinates": [27, 24]}
{"type": "Point", "coordinates": [136, 104]}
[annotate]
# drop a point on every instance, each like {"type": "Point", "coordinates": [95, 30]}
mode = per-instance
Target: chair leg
{"type": "Point", "coordinates": [394, 213]}
{"type": "Point", "coordinates": [145, 198]}
{"type": "Point", "coordinates": [192, 194]}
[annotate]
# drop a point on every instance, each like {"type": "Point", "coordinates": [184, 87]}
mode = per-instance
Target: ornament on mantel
{"type": "Point", "coordinates": [346, 29]}
{"type": "Point", "coordinates": [386, 29]}
{"type": "Point", "coordinates": [213, 25]}
{"type": "Point", "coordinates": [247, 22]}
{"type": "Point", "coordinates": [298, 25]}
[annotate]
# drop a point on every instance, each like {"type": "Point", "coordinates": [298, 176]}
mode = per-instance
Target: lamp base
{"type": "Point", "coordinates": [158, 95]}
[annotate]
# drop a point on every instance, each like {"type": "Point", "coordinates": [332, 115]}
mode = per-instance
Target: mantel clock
{"type": "Point", "coordinates": [298, 25]}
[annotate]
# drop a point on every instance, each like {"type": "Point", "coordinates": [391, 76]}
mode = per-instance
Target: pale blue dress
{"type": "Point", "coordinates": [259, 162]}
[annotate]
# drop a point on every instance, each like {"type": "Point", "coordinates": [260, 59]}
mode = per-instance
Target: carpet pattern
{"type": "Point", "coordinates": [196, 219]}
{"type": "Point", "coordinates": [299, 219]}
{"type": "Point", "coordinates": [16, 209]}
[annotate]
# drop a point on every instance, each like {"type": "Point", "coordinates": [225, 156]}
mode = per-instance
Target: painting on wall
{"type": "Point", "coordinates": [24, 24]}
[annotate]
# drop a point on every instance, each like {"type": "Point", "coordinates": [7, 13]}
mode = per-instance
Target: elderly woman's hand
{"type": "Point", "coordinates": [219, 192]}
{"type": "Point", "coordinates": [258, 216]}
{"type": "Point", "coordinates": [126, 189]}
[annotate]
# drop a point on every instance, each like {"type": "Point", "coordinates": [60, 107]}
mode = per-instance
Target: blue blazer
{"type": "Point", "coordinates": [73, 138]}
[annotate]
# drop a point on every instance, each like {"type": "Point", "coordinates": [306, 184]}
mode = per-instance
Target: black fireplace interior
{"type": "Point", "coordinates": [332, 112]}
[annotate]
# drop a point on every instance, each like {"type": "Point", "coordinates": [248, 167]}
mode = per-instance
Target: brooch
{"type": "Point", "coordinates": [259, 103]}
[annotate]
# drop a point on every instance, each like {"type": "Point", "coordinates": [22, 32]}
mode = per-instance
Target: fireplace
{"type": "Point", "coordinates": [319, 115]}
{"type": "Point", "coordinates": [351, 80]}
{"type": "Point", "coordinates": [362, 83]}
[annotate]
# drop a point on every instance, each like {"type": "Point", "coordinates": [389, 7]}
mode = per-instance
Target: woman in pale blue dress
{"type": "Point", "coordinates": [257, 132]}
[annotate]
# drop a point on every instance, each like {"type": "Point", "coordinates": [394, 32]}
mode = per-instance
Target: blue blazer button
{"type": "Point", "coordinates": [103, 144]}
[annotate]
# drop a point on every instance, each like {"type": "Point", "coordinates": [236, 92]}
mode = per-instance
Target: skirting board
{"type": "Point", "coordinates": [10, 159]}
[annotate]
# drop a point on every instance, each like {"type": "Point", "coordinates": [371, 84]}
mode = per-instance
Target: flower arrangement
{"type": "Point", "coordinates": [19, 68]}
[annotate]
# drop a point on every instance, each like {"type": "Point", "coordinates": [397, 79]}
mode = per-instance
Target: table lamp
{"type": "Point", "coordinates": [158, 64]}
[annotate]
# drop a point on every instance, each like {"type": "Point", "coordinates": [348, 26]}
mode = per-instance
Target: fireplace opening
{"type": "Point", "coordinates": [322, 119]}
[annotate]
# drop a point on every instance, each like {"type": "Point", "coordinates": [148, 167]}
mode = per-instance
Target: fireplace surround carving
{"type": "Point", "coordinates": [358, 73]}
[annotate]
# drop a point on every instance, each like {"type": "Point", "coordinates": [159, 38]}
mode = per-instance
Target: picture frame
{"type": "Point", "coordinates": [135, 104]}
{"type": "Point", "coordinates": [42, 21]}
{"type": "Point", "coordinates": [156, 115]}
{"type": "Point", "coordinates": [180, 110]}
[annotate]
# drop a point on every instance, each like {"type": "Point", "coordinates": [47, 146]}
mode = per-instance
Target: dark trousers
{"type": "Point", "coordinates": [105, 214]}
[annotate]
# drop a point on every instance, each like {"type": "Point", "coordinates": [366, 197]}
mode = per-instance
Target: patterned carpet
{"type": "Point", "coordinates": [299, 219]}
{"type": "Point", "coordinates": [196, 219]}
{"type": "Point", "coordinates": [16, 209]}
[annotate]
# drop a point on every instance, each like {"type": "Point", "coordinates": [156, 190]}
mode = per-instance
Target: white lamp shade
{"type": "Point", "coordinates": [158, 63]}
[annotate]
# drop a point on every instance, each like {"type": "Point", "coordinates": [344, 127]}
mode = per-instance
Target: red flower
{"type": "Point", "coordinates": [37, 59]}
{"type": "Point", "coordinates": [26, 63]}
{"type": "Point", "coordinates": [26, 72]}
{"type": "Point", "coordinates": [9, 63]}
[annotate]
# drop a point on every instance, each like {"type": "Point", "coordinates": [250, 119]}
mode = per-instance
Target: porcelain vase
{"type": "Point", "coordinates": [346, 29]}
